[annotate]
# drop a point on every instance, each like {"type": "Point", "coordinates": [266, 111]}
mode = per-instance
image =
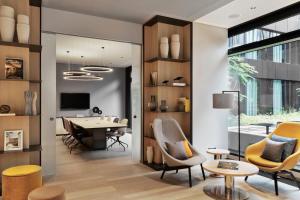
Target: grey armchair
{"type": "Point", "coordinates": [168, 130]}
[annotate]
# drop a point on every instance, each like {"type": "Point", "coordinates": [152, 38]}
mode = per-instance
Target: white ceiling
{"type": "Point", "coordinates": [239, 11]}
{"type": "Point", "coordinates": [138, 11]}
{"type": "Point", "coordinates": [115, 54]}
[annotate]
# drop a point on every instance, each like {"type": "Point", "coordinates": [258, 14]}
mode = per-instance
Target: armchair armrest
{"type": "Point", "coordinates": [255, 149]}
{"type": "Point", "coordinates": [291, 161]}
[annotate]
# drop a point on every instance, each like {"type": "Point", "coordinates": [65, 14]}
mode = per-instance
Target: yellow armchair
{"type": "Point", "coordinates": [253, 153]}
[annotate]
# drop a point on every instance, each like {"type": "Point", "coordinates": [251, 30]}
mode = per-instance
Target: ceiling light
{"type": "Point", "coordinates": [76, 73]}
{"type": "Point", "coordinates": [96, 69]}
{"type": "Point", "coordinates": [83, 78]}
{"type": "Point", "coordinates": [234, 16]}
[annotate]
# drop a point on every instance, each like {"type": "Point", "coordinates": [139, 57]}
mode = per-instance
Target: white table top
{"type": "Point", "coordinates": [95, 122]}
{"type": "Point", "coordinates": [244, 168]}
{"type": "Point", "coordinates": [218, 151]}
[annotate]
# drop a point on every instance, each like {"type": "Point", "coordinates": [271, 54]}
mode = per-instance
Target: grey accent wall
{"type": "Point", "coordinates": [108, 94]}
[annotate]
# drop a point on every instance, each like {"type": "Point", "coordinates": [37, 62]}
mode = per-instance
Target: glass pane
{"type": "Point", "coordinates": [269, 81]}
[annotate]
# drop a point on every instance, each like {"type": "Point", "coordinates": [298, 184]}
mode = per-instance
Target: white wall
{"type": "Point", "coordinates": [210, 75]}
{"type": "Point", "coordinates": [108, 94]}
{"type": "Point", "coordinates": [48, 103]}
{"type": "Point", "coordinates": [71, 23]}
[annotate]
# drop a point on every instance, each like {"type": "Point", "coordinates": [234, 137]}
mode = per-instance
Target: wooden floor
{"type": "Point", "coordinates": [118, 178]}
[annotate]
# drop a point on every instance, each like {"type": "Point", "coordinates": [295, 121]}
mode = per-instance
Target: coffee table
{"type": "Point", "coordinates": [218, 153]}
{"type": "Point", "coordinates": [228, 191]}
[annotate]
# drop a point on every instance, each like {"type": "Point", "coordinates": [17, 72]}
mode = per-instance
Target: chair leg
{"type": "Point", "coordinates": [176, 171]}
{"type": "Point", "coordinates": [203, 173]}
{"type": "Point", "coordinates": [163, 173]}
{"type": "Point", "coordinates": [190, 177]}
{"type": "Point", "coordinates": [275, 183]}
{"type": "Point", "coordinates": [294, 178]}
{"type": "Point", "coordinates": [246, 178]}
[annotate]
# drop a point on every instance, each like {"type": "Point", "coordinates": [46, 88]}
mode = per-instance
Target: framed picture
{"type": "Point", "coordinates": [13, 140]}
{"type": "Point", "coordinates": [14, 68]}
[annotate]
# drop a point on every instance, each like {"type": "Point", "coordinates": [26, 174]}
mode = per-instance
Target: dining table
{"type": "Point", "coordinates": [98, 128]}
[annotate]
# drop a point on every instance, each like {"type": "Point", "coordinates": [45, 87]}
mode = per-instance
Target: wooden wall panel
{"type": "Point", "coordinates": [35, 68]}
{"type": "Point", "coordinates": [35, 29]}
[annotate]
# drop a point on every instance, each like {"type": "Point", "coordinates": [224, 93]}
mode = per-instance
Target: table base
{"type": "Point", "coordinates": [221, 193]}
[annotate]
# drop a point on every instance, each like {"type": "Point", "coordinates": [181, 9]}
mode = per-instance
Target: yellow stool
{"type": "Point", "coordinates": [19, 181]}
{"type": "Point", "coordinates": [47, 193]}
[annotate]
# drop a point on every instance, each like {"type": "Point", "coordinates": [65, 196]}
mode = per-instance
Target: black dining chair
{"type": "Point", "coordinates": [116, 135]}
{"type": "Point", "coordinates": [79, 134]}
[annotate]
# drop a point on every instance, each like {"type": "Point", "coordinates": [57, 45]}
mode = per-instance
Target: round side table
{"type": "Point", "coordinates": [218, 153]}
{"type": "Point", "coordinates": [228, 191]}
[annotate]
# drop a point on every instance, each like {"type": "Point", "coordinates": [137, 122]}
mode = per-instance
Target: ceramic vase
{"type": "Point", "coordinates": [152, 104]}
{"type": "Point", "coordinates": [23, 29]}
{"type": "Point", "coordinates": [28, 95]}
{"type": "Point", "coordinates": [153, 78]}
{"type": "Point", "coordinates": [7, 29]}
{"type": "Point", "coordinates": [34, 100]}
{"type": "Point", "coordinates": [163, 106]}
{"type": "Point", "coordinates": [175, 46]}
{"type": "Point", "coordinates": [7, 11]}
{"type": "Point", "coordinates": [150, 154]}
{"type": "Point", "coordinates": [164, 47]}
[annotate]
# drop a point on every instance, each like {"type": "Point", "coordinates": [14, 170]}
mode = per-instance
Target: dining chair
{"type": "Point", "coordinates": [115, 135]}
{"type": "Point", "coordinates": [79, 134]}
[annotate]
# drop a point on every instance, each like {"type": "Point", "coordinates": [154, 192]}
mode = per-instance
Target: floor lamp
{"type": "Point", "coordinates": [224, 100]}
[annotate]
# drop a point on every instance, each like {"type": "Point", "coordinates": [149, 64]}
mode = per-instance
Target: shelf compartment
{"type": "Point", "coordinates": [32, 148]}
{"type": "Point", "coordinates": [31, 47]}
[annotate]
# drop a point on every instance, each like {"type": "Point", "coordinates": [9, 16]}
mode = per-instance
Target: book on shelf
{"type": "Point", "coordinates": [7, 114]}
{"type": "Point", "coordinates": [179, 84]}
{"type": "Point", "coordinates": [228, 165]}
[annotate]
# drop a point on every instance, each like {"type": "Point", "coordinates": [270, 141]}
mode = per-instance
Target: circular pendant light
{"type": "Point", "coordinates": [96, 69]}
{"type": "Point", "coordinates": [76, 73]}
{"type": "Point", "coordinates": [83, 78]}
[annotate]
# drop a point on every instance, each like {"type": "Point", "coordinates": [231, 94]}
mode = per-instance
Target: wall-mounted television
{"type": "Point", "coordinates": [74, 101]}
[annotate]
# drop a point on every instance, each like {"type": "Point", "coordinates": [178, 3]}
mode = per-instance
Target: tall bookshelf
{"type": "Point", "coordinates": [12, 91]}
{"type": "Point", "coordinates": [167, 69]}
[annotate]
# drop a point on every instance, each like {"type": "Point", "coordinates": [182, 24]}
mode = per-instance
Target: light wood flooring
{"type": "Point", "coordinates": [118, 178]}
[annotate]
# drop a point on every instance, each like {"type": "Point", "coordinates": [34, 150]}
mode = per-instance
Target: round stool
{"type": "Point", "coordinates": [48, 193]}
{"type": "Point", "coordinates": [19, 181]}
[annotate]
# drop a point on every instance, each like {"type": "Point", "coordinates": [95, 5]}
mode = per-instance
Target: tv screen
{"type": "Point", "coordinates": [79, 101]}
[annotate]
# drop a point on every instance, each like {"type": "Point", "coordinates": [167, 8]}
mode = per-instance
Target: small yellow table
{"type": "Point", "coordinates": [19, 181]}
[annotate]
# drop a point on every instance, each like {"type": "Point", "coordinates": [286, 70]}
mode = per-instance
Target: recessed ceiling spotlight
{"type": "Point", "coordinates": [252, 7]}
{"type": "Point", "coordinates": [234, 16]}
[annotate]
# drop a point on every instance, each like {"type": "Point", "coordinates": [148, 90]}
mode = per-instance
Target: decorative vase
{"type": "Point", "coordinates": [164, 47]}
{"type": "Point", "coordinates": [7, 29]}
{"type": "Point", "coordinates": [23, 19]}
{"type": "Point", "coordinates": [23, 31]}
{"type": "Point", "coordinates": [7, 11]}
{"type": "Point", "coordinates": [175, 46]}
{"type": "Point", "coordinates": [152, 104]}
{"type": "Point", "coordinates": [34, 100]}
{"type": "Point", "coordinates": [28, 102]}
{"type": "Point", "coordinates": [163, 106]}
{"type": "Point", "coordinates": [153, 78]}
{"type": "Point", "coordinates": [149, 154]}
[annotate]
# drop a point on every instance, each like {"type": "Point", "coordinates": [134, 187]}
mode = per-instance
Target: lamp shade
{"type": "Point", "coordinates": [223, 101]}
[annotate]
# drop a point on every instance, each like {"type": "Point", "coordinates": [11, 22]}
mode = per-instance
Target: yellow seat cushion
{"type": "Point", "coordinates": [22, 170]}
{"type": "Point", "coordinates": [257, 160]}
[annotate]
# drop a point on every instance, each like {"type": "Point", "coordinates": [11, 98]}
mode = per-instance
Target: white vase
{"type": "Point", "coordinates": [7, 29]}
{"type": "Point", "coordinates": [23, 31]}
{"type": "Point", "coordinates": [175, 38]}
{"type": "Point", "coordinates": [34, 100]}
{"type": "Point", "coordinates": [149, 154]}
{"type": "Point", "coordinates": [175, 50]}
{"type": "Point", "coordinates": [164, 47]}
{"type": "Point", "coordinates": [23, 19]}
{"type": "Point", "coordinates": [6, 11]}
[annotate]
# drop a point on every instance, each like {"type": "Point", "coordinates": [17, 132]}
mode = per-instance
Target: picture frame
{"type": "Point", "coordinates": [14, 68]}
{"type": "Point", "coordinates": [13, 140]}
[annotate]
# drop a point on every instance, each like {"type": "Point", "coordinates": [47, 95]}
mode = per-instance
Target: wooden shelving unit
{"type": "Point", "coordinates": [167, 69]}
{"type": "Point", "coordinates": [12, 90]}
